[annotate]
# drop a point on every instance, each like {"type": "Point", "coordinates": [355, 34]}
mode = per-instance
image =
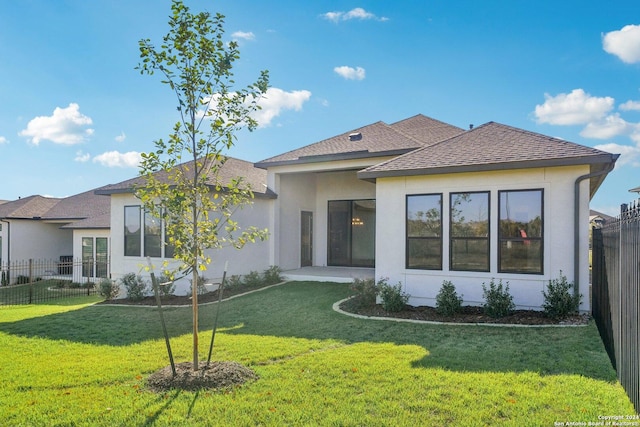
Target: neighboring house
{"type": "Point", "coordinates": [423, 202]}
{"type": "Point", "coordinates": [52, 230]}
{"type": "Point", "coordinates": [635, 190]}
{"type": "Point", "coordinates": [136, 235]}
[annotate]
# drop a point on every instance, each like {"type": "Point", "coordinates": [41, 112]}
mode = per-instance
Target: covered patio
{"type": "Point", "coordinates": [329, 274]}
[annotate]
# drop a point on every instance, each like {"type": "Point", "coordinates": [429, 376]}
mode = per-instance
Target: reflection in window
{"type": "Point", "coordinates": [152, 235]}
{"type": "Point", "coordinates": [520, 231]}
{"type": "Point", "coordinates": [132, 231]}
{"type": "Point", "coordinates": [469, 229]}
{"type": "Point", "coordinates": [424, 232]}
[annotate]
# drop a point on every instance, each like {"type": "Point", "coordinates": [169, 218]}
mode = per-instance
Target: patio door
{"type": "Point", "coordinates": [306, 239]}
{"type": "Point", "coordinates": [352, 226]}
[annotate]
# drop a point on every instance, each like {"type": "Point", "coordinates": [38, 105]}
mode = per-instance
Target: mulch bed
{"type": "Point", "coordinates": [217, 375]}
{"type": "Point", "coordinates": [185, 300]}
{"type": "Point", "coordinates": [468, 314]}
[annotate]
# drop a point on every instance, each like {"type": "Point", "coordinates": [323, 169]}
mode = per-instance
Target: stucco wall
{"type": "Point", "coordinates": [558, 249]}
{"type": "Point", "coordinates": [253, 257]}
{"type": "Point", "coordinates": [31, 239]}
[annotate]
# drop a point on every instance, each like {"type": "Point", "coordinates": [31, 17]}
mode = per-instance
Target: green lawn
{"type": "Point", "coordinates": [81, 364]}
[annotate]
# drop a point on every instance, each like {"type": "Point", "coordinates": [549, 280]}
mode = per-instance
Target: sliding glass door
{"type": "Point", "coordinates": [352, 225]}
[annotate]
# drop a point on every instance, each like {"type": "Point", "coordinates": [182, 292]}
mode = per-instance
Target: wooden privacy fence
{"type": "Point", "coordinates": [616, 294]}
{"type": "Point", "coordinates": [33, 281]}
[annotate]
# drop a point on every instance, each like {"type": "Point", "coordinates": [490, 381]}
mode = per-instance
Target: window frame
{"type": "Point", "coordinates": [409, 239]}
{"type": "Point", "coordinates": [166, 249]}
{"type": "Point", "coordinates": [139, 234]}
{"type": "Point", "coordinates": [487, 238]}
{"type": "Point", "coordinates": [502, 239]}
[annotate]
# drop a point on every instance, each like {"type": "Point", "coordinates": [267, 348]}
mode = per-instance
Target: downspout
{"type": "Point", "coordinates": [576, 223]}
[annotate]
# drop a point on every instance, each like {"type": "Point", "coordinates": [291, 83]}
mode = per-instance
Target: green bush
{"type": "Point", "coordinates": [498, 300]}
{"type": "Point", "coordinates": [166, 284]}
{"type": "Point", "coordinates": [22, 280]}
{"type": "Point", "coordinates": [448, 302]}
{"type": "Point", "coordinates": [272, 275]}
{"type": "Point", "coordinates": [200, 286]}
{"type": "Point", "coordinates": [4, 278]}
{"type": "Point", "coordinates": [234, 281]}
{"type": "Point", "coordinates": [136, 287]}
{"type": "Point", "coordinates": [108, 289]}
{"type": "Point", "coordinates": [392, 296]}
{"type": "Point", "coordinates": [560, 300]}
{"type": "Point", "coordinates": [253, 279]}
{"type": "Point", "coordinates": [365, 292]}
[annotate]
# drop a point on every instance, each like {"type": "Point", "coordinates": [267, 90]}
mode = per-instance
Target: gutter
{"type": "Point", "coordinates": [576, 222]}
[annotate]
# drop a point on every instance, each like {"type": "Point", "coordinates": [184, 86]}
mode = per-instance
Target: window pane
{"type": "Point", "coordinates": [424, 215]}
{"type": "Point", "coordinates": [521, 256]}
{"type": "Point", "coordinates": [424, 254]}
{"type": "Point", "coordinates": [132, 231]}
{"type": "Point", "coordinates": [521, 214]}
{"type": "Point", "coordinates": [87, 257]}
{"type": "Point", "coordinates": [363, 233]}
{"type": "Point", "coordinates": [152, 236]}
{"type": "Point", "coordinates": [469, 214]}
{"type": "Point", "coordinates": [102, 256]}
{"type": "Point", "coordinates": [470, 254]}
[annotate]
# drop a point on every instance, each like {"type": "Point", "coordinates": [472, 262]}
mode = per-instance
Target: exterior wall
{"type": "Point", "coordinates": [558, 249]}
{"type": "Point", "coordinates": [253, 257]}
{"type": "Point", "coordinates": [32, 239]}
{"type": "Point", "coordinates": [78, 235]}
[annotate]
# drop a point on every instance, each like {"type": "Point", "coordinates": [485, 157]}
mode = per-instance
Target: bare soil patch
{"type": "Point", "coordinates": [217, 375]}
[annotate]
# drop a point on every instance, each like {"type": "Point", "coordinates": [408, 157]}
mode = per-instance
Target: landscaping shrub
{"type": "Point", "coordinates": [448, 302]}
{"type": "Point", "coordinates": [559, 300]}
{"type": "Point", "coordinates": [4, 279]}
{"type": "Point", "coordinates": [200, 286]}
{"type": "Point", "coordinates": [167, 289]}
{"type": "Point", "coordinates": [108, 289]}
{"type": "Point", "coordinates": [272, 275]}
{"type": "Point", "coordinates": [498, 300]}
{"type": "Point", "coordinates": [234, 281]}
{"type": "Point", "coordinates": [365, 292]}
{"type": "Point", "coordinates": [392, 296]}
{"type": "Point", "coordinates": [252, 279]}
{"type": "Point", "coordinates": [136, 287]}
{"type": "Point", "coordinates": [22, 280]}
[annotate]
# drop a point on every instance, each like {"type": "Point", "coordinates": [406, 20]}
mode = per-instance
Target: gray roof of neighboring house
{"type": "Point", "coordinates": [32, 207]}
{"type": "Point", "coordinates": [232, 169]}
{"type": "Point", "coordinates": [86, 207]}
{"type": "Point", "coordinates": [595, 214]}
{"type": "Point", "coordinates": [492, 146]}
{"type": "Point", "coordinates": [635, 190]}
{"type": "Point", "coordinates": [374, 140]}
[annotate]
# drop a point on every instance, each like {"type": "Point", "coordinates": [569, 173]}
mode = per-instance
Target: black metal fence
{"type": "Point", "coordinates": [616, 294]}
{"type": "Point", "coordinates": [34, 281]}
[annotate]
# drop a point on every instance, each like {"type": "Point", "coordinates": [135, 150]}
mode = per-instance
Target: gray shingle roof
{"type": "Point", "coordinates": [79, 207]}
{"type": "Point", "coordinates": [489, 147]}
{"type": "Point", "coordinates": [374, 140]}
{"type": "Point", "coordinates": [232, 168]}
{"type": "Point", "coordinates": [32, 207]}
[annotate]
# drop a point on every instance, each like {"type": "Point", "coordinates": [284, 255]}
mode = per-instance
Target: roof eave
{"type": "Point", "coordinates": [602, 159]}
{"type": "Point", "coordinates": [325, 158]}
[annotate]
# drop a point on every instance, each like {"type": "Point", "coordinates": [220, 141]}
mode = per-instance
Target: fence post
{"type": "Point", "coordinates": [30, 280]}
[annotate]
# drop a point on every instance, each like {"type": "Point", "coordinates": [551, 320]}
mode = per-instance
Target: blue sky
{"type": "Point", "coordinates": [75, 114]}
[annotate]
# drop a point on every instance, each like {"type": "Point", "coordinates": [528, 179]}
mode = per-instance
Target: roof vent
{"type": "Point", "coordinates": [356, 136]}
{"type": "Point", "coordinates": [471, 126]}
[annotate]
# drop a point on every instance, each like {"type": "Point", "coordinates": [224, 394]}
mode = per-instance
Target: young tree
{"type": "Point", "coordinates": [183, 184]}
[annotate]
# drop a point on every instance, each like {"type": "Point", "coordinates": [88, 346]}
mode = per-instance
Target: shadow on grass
{"type": "Point", "coordinates": [303, 310]}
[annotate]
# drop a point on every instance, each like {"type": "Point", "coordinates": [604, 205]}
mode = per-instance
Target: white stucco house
{"type": "Point", "coordinates": [421, 201]}
{"type": "Point", "coordinates": [65, 237]}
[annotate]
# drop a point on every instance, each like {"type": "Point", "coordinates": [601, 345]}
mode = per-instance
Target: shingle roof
{"type": "Point", "coordinates": [374, 140]}
{"type": "Point", "coordinates": [232, 168]}
{"type": "Point", "coordinates": [488, 147]}
{"type": "Point", "coordinates": [79, 207]}
{"type": "Point", "coordinates": [32, 207]}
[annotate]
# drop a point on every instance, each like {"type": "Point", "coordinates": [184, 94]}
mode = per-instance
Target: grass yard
{"type": "Point", "coordinates": [81, 364]}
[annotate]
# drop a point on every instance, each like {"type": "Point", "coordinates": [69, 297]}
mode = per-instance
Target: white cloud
{"type": "Point", "coordinates": [357, 13]}
{"type": "Point", "coordinates": [65, 126]}
{"type": "Point", "coordinates": [630, 106]}
{"type": "Point", "coordinates": [3, 140]}
{"type": "Point", "coordinates": [121, 137]}
{"type": "Point", "coordinates": [629, 154]}
{"type": "Point", "coordinates": [114, 159]}
{"type": "Point", "coordinates": [577, 107]}
{"type": "Point", "coordinates": [609, 127]}
{"type": "Point", "coordinates": [277, 100]}
{"type": "Point", "coordinates": [624, 43]}
{"type": "Point", "coordinates": [350, 73]}
{"type": "Point", "coordinates": [243, 35]}
{"type": "Point", "coordinates": [82, 157]}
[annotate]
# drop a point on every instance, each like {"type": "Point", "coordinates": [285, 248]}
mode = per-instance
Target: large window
{"type": "Point", "coordinates": [424, 232]}
{"type": "Point", "coordinates": [132, 231]}
{"type": "Point", "coordinates": [520, 231]}
{"type": "Point", "coordinates": [469, 231]}
{"type": "Point", "coordinates": [352, 227]}
{"type": "Point", "coordinates": [143, 230]}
